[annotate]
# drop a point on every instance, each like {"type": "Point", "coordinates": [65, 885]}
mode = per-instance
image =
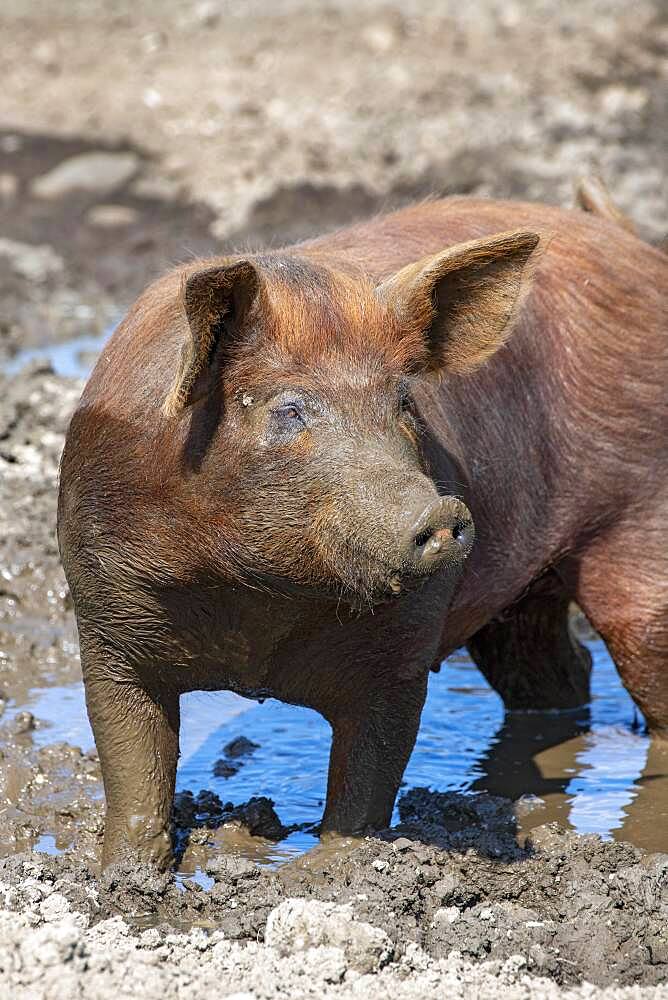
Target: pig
{"type": "Point", "coordinates": [312, 473]}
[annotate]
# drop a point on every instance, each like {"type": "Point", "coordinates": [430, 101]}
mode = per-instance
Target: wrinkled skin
{"type": "Point", "coordinates": [271, 484]}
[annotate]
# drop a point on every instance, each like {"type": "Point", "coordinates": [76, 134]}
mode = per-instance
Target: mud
{"type": "Point", "coordinates": [258, 124]}
{"type": "Point", "coordinates": [255, 125]}
{"type": "Point", "coordinates": [64, 274]}
{"type": "Point", "coordinates": [38, 633]}
{"type": "Point", "coordinates": [449, 885]}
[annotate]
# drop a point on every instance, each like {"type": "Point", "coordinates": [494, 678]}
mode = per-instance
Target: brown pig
{"type": "Point", "coordinates": [271, 483]}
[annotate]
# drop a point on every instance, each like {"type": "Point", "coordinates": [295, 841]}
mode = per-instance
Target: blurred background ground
{"type": "Point", "coordinates": [236, 123]}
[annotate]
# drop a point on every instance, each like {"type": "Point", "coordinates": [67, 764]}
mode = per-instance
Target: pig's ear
{"type": "Point", "coordinates": [458, 307]}
{"type": "Point", "coordinates": [216, 303]}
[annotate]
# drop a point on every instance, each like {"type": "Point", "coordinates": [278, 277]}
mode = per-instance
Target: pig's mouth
{"type": "Point", "coordinates": [339, 566]}
{"type": "Point", "coordinates": [360, 595]}
{"type": "Point", "coordinates": [401, 581]}
{"type": "Point", "coordinates": [402, 584]}
{"type": "Point", "coordinates": [397, 585]}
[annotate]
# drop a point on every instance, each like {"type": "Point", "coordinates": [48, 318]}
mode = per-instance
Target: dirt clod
{"type": "Point", "coordinates": [240, 747]}
{"type": "Point", "coordinates": [299, 924]}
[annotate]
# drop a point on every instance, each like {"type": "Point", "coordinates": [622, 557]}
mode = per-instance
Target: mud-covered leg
{"type": "Point", "coordinates": [137, 738]}
{"type": "Point", "coordinates": [531, 656]}
{"type": "Point", "coordinates": [372, 741]}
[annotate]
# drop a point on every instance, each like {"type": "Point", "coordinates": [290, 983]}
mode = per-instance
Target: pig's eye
{"type": "Point", "coordinates": [289, 416]}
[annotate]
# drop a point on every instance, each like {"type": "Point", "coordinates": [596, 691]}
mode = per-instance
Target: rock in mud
{"type": "Point", "coordinates": [206, 809]}
{"type": "Point", "coordinates": [299, 924]}
{"type": "Point", "coordinates": [101, 172]}
{"type": "Point", "coordinates": [9, 186]}
{"type": "Point", "coordinates": [111, 216]}
{"type": "Point", "coordinates": [224, 768]}
{"type": "Point", "coordinates": [234, 753]}
{"type": "Point", "coordinates": [240, 747]}
{"type": "Point", "coordinates": [231, 869]}
{"type": "Point", "coordinates": [34, 263]}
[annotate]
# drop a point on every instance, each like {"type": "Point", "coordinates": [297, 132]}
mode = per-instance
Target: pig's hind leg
{"type": "Point", "coordinates": [622, 586]}
{"type": "Point", "coordinates": [530, 655]}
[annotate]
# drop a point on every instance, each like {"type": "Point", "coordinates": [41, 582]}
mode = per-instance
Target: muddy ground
{"type": "Point", "coordinates": [217, 125]}
{"type": "Point", "coordinates": [227, 124]}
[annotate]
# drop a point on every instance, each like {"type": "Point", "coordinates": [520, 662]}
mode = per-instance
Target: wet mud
{"type": "Point", "coordinates": [450, 880]}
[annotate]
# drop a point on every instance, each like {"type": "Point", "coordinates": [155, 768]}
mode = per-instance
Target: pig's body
{"type": "Point", "coordinates": [558, 445]}
{"type": "Point", "coordinates": [563, 440]}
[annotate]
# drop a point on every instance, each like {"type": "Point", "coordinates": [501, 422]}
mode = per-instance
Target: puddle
{"type": "Point", "coordinates": [46, 844]}
{"type": "Point", "coordinates": [197, 876]}
{"type": "Point", "coordinates": [594, 770]}
{"type": "Point", "coordinates": [72, 358]}
{"type": "Point", "coordinates": [61, 716]}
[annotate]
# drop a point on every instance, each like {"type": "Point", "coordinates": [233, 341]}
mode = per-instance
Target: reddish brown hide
{"type": "Point", "coordinates": [269, 482]}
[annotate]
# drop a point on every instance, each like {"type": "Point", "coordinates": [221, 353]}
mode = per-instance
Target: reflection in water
{"type": "Point", "coordinates": [595, 779]}
{"type": "Point", "coordinates": [46, 844]}
{"type": "Point", "coordinates": [593, 770]}
{"type": "Point", "coordinates": [535, 754]}
{"type": "Point", "coordinates": [645, 817]}
{"type": "Point", "coordinates": [609, 763]}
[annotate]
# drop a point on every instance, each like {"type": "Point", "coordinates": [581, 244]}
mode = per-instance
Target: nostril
{"type": "Point", "coordinates": [423, 537]}
{"type": "Point", "coordinates": [458, 531]}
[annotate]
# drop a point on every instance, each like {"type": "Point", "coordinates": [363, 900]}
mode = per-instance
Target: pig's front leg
{"type": "Point", "coordinates": [137, 737]}
{"type": "Point", "coordinates": [373, 738]}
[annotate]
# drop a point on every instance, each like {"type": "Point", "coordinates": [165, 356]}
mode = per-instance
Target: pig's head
{"type": "Point", "coordinates": [302, 379]}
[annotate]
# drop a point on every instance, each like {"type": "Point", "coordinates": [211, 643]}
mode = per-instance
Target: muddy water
{"type": "Point", "coordinates": [594, 770]}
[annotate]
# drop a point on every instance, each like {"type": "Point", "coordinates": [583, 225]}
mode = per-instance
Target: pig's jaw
{"type": "Point", "coordinates": [389, 587]}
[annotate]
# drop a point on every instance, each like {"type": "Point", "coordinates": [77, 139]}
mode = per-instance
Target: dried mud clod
{"type": "Point", "coordinates": [235, 754]}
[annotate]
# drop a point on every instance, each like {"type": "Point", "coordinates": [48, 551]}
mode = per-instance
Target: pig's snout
{"type": "Point", "coordinates": [443, 532]}
{"type": "Point", "coordinates": [395, 531]}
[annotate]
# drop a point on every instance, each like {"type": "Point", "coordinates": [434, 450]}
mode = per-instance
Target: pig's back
{"type": "Point", "coordinates": [596, 321]}
{"type": "Point", "coordinates": [565, 430]}
{"type": "Point", "coordinates": [386, 243]}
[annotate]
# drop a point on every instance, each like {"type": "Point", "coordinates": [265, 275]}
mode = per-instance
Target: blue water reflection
{"type": "Point", "coordinates": [584, 764]}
